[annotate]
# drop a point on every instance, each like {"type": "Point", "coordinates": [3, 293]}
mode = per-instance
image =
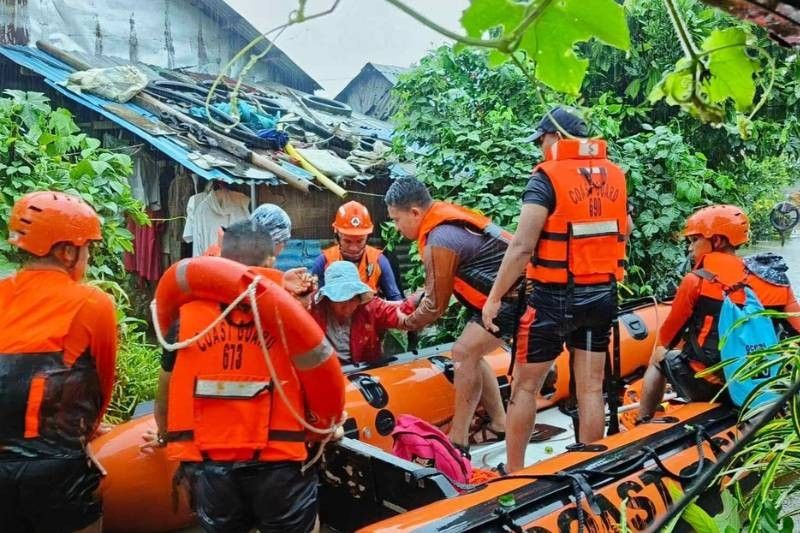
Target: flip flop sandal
{"type": "Point", "coordinates": [484, 434]}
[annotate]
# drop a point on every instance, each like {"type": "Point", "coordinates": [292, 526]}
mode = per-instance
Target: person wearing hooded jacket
{"type": "Point", "coordinates": [714, 234]}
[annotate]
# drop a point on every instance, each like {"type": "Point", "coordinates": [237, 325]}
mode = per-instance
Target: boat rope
{"type": "Point", "coordinates": [579, 478]}
{"type": "Point", "coordinates": [578, 483]}
{"type": "Point", "coordinates": [702, 481]}
{"type": "Point", "coordinates": [701, 436]}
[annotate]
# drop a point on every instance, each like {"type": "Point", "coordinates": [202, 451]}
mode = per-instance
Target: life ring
{"type": "Point", "coordinates": [295, 333]}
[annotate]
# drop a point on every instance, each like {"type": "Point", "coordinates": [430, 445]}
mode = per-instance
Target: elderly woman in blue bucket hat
{"type": "Point", "coordinates": [353, 318]}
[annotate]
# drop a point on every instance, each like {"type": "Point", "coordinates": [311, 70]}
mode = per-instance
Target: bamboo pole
{"type": "Point", "coordinates": [322, 178]}
{"type": "Point", "coordinates": [157, 107]}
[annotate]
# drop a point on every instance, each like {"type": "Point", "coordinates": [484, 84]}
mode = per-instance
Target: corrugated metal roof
{"type": "Point", "coordinates": [390, 72]}
{"type": "Point", "coordinates": [55, 73]}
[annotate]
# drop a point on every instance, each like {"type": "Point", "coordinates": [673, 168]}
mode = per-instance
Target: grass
{"type": "Point", "coordinates": [138, 363]}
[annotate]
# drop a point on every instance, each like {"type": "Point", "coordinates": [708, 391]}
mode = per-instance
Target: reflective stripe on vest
{"type": "Point", "coordinates": [219, 388]}
{"type": "Point", "coordinates": [583, 239]}
{"type": "Point", "coordinates": [314, 357]}
{"type": "Point", "coordinates": [369, 268]}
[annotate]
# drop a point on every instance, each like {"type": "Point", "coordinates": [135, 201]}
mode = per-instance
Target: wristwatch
{"type": "Point", "coordinates": [161, 439]}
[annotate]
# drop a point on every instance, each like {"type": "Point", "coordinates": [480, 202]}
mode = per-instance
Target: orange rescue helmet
{"type": "Point", "coordinates": [726, 220]}
{"type": "Point", "coordinates": [353, 218]}
{"type": "Point", "coordinates": [41, 219]}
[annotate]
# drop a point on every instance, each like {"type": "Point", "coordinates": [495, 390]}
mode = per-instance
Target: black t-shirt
{"type": "Point", "coordinates": [168, 356]}
{"type": "Point", "coordinates": [539, 191]}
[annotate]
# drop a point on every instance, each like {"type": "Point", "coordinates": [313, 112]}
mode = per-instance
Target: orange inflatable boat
{"type": "Point", "coordinates": [138, 492]}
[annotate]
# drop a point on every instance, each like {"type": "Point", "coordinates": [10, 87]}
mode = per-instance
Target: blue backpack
{"type": "Point", "coordinates": [739, 339]}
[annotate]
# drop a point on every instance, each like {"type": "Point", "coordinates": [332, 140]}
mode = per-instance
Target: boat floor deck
{"type": "Point", "coordinates": [550, 420]}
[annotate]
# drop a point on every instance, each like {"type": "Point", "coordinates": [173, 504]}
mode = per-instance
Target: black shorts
{"type": "Point", "coordinates": [48, 495]}
{"type": "Point", "coordinates": [582, 322]}
{"type": "Point", "coordinates": [506, 321]}
{"type": "Point", "coordinates": [235, 497]}
{"type": "Point", "coordinates": [677, 368]}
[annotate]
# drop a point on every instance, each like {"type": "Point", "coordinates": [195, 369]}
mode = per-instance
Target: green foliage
{"type": "Point", "coordinates": [722, 71]}
{"type": "Point", "coordinates": [726, 521]}
{"type": "Point", "coordinates": [463, 124]}
{"type": "Point", "coordinates": [550, 40]}
{"type": "Point", "coordinates": [138, 365]}
{"type": "Point", "coordinates": [773, 455]}
{"type": "Point", "coordinates": [43, 149]}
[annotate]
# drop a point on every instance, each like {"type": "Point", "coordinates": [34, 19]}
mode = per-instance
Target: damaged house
{"type": "Point", "coordinates": [276, 143]}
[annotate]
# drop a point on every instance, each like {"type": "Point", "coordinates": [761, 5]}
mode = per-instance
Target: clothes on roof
{"type": "Point", "coordinates": [247, 114]}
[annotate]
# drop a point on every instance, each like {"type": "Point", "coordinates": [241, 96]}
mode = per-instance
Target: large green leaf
{"type": "Point", "coordinates": [551, 39]}
{"type": "Point", "coordinates": [484, 15]}
{"type": "Point", "coordinates": [732, 70]}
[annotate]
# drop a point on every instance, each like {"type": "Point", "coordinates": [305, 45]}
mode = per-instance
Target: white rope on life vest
{"type": "Point", "coordinates": [328, 432]}
{"type": "Point", "coordinates": [188, 342]}
{"type": "Point", "coordinates": [250, 294]}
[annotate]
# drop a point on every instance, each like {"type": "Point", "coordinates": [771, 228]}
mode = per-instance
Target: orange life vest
{"type": "Point", "coordinates": [51, 403]}
{"type": "Point", "coordinates": [583, 239]}
{"type": "Point", "coordinates": [473, 282]}
{"type": "Point", "coordinates": [368, 268]}
{"type": "Point", "coordinates": [720, 273]}
{"type": "Point", "coordinates": [223, 406]}
{"type": "Point", "coordinates": [221, 400]}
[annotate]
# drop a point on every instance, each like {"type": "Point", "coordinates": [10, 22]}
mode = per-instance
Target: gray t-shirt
{"type": "Point", "coordinates": [339, 337]}
{"type": "Point", "coordinates": [464, 242]}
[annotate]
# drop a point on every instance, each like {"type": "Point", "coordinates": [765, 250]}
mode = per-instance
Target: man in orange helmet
{"type": "Point", "coordinates": [714, 234]}
{"type": "Point", "coordinates": [352, 227]}
{"type": "Point", "coordinates": [58, 347]}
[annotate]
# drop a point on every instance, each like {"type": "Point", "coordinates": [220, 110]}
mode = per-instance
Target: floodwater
{"type": "Point", "coordinates": [790, 252]}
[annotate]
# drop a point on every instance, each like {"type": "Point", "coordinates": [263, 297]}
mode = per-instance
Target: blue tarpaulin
{"type": "Point", "coordinates": [55, 74]}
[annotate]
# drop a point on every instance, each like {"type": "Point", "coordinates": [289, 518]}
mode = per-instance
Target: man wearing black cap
{"type": "Point", "coordinates": [572, 229]}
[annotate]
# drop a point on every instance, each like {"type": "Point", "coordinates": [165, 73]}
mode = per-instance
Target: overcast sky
{"type": "Point", "coordinates": [332, 49]}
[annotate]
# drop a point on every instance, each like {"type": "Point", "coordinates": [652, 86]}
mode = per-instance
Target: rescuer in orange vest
{"type": "Point", "coordinates": [461, 251]}
{"type": "Point", "coordinates": [241, 448]}
{"type": "Point", "coordinates": [714, 234]}
{"type": "Point", "coordinates": [352, 227]}
{"type": "Point", "coordinates": [572, 230]}
{"type": "Point", "coordinates": [58, 347]}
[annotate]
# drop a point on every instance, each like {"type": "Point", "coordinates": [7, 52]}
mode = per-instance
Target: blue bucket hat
{"type": "Point", "coordinates": [342, 283]}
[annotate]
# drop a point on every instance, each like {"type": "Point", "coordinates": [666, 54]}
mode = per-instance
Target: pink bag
{"type": "Point", "coordinates": [422, 443]}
